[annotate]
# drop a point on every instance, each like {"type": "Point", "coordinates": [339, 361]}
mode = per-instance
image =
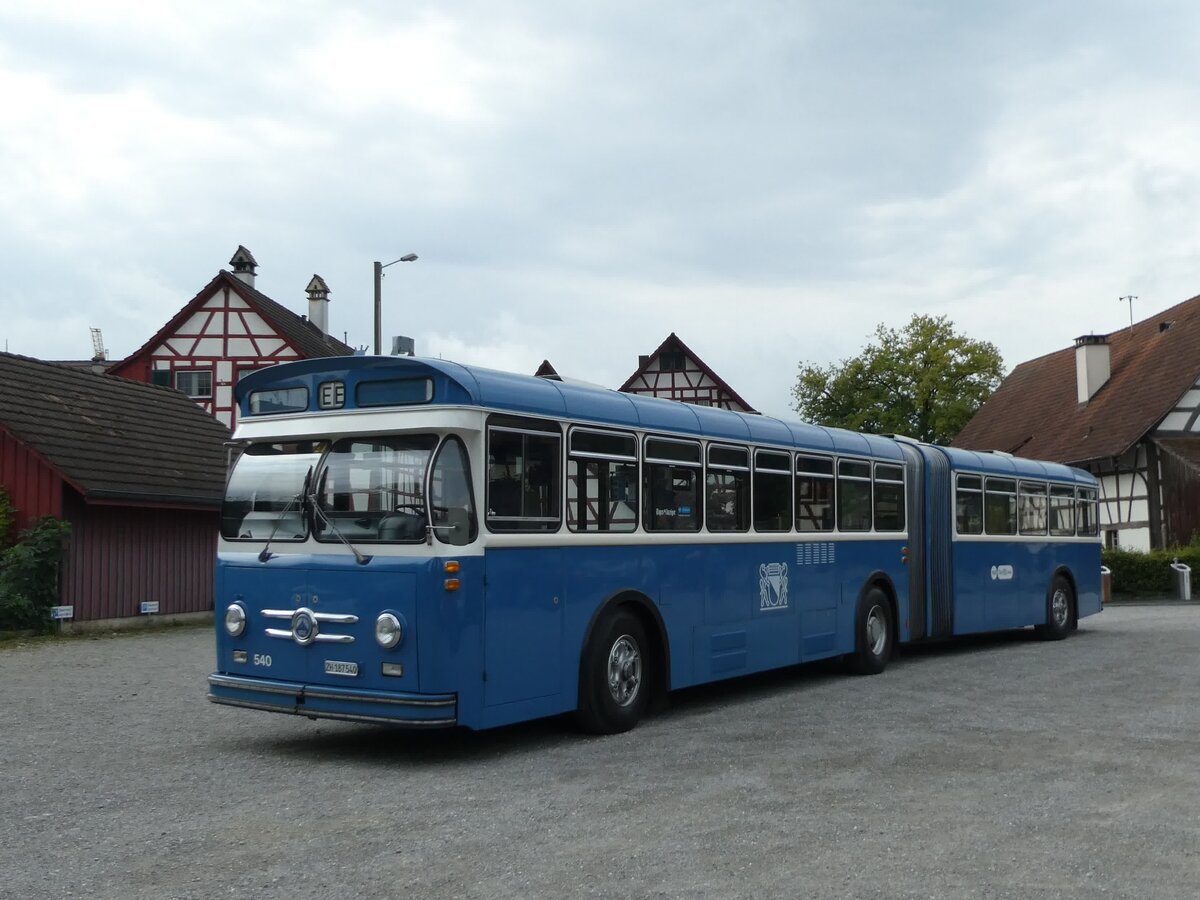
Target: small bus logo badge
{"type": "Point", "coordinates": [331, 395]}
{"type": "Point", "coordinates": [304, 627]}
{"type": "Point", "coordinates": [772, 586]}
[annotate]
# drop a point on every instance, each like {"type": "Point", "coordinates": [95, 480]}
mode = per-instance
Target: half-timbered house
{"type": "Point", "coordinates": [1125, 406]}
{"type": "Point", "coordinates": [227, 330]}
{"type": "Point", "coordinates": [136, 469]}
{"type": "Point", "coordinates": [674, 372]}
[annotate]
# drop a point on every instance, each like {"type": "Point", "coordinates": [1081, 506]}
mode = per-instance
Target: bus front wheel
{"type": "Point", "coordinates": [872, 634]}
{"type": "Point", "coordinates": [614, 688]}
{"type": "Point", "coordinates": [1060, 610]}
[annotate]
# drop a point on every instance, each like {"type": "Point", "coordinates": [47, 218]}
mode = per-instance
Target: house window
{"type": "Point", "coordinates": [197, 383]}
{"type": "Point", "coordinates": [671, 361]}
{"type": "Point", "coordinates": [161, 377]}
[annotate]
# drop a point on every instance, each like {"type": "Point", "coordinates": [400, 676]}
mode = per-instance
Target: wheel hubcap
{"type": "Point", "coordinates": [624, 670]}
{"type": "Point", "coordinates": [1060, 607]}
{"type": "Point", "coordinates": [876, 631]}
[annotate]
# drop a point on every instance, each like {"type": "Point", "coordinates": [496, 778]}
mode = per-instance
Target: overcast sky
{"type": "Point", "coordinates": [770, 180]}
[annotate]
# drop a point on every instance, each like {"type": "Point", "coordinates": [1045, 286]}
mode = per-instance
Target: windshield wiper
{"type": "Point", "coordinates": [297, 502]}
{"type": "Point", "coordinates": [360, 558]}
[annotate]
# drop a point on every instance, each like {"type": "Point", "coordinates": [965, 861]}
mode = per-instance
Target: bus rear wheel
{"type": "Point", "coordinates": [614, 687]}
{"type": "Point", "coordinates": [1060, 610]}
{"type": "Point", "coordinates": [872, 634]}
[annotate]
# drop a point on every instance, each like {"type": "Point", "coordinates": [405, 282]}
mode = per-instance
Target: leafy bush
{"type": "Point", "coordinates": [1149, 573]}
{"type": "Point", "coordinates": [29, 574]}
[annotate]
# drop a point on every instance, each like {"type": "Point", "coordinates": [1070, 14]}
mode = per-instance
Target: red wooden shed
{"type": "Point", "coordinates": [137, 469]}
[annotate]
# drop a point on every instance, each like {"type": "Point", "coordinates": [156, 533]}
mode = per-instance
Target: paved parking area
{"type": "Point", "coordinates": [1000, 767]}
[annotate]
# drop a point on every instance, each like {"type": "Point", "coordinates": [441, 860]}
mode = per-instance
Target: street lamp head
{"type": "Point", "coordinates": [408, 257]}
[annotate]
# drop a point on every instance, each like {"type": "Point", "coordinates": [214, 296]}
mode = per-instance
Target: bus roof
{"type": "Point", "coordinates": [1005, 464]}
{"type": "Point", "coordinates": [456, 384]}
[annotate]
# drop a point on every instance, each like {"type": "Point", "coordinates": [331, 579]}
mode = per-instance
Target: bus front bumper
{"type": "Point", "coordinates": [321, 702]}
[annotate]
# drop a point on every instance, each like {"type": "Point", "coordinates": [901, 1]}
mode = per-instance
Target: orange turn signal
{"type": "Point", "coordinates": [451, 566]}
{"type": "Point", "coordinates": [452, 584]}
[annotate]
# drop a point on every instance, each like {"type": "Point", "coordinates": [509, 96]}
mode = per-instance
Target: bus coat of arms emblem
{"type": "Point", "coordinates": [772, 586]}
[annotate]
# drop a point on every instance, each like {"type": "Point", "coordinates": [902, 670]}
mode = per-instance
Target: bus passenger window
{"type": "Point", "coordinates": [602, 484]}
{"type": "Point", "coordinates": [968, 504]}
{"type": "Point", "coordinates": [889, 497]}
{"type": "Point", "coordinates": [672, 479]}
{"type": "Point", "coordinates": [772, 491]}
{"type": "Point", "coordinates": [1031, 508]}
{"type": "Point", "coordinates": [854, 495]}
{"type": "Point", "coordinates": [814, 493]}
{"type": "Point", "coordinates": [727, 489]}
{"type": "Point", "coordinates": [1000, 506]}
{"type": "Point", "coordinates": [1062, 511]}
{"type": "Point", "coordinates": [1087, 522]}
{"type": "Point", "coordinates": [523, 480]}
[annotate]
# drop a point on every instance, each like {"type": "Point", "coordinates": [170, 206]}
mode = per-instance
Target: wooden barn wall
{"type": "Point", "coordinates": [33, 487]}
{"type": "Point", "coordinates": [1181, 500]}
{"type": "Point", "coordinates": [120, 556]}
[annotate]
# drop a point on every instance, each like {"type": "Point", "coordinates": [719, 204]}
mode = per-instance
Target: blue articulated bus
{"type": "Point", "coordinates": [423, 543]}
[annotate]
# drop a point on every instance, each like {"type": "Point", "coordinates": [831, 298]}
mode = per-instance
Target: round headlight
{"type": "Point", "coordinates": [235, 620]}
{"type": "Point", "coordinates": [388, 631]}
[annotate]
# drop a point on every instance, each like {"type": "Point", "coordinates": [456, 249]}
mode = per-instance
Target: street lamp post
{"type": "Point", "coordinates": [379, 267]}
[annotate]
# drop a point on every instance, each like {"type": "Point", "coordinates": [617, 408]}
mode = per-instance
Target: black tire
{"type": "Point", "coordinates": [1060, 610]}
{"type": "Point", "coordinates": [614, 678]}
{"type": "Point", "coordinates": [873, 634]}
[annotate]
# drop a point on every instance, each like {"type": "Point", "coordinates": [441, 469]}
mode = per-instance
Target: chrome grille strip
{"type": "Point", "coordinates": [334, 618]}
{"type": "Point", "coordinates": [286, 635]}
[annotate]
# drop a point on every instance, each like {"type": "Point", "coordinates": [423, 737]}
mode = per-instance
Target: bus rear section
{"type": "Point", "coordinates": [1009, 543]}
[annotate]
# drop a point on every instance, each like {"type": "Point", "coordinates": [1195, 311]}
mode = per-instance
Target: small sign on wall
{"type": "Point", "coordinates": [58, 613]}
{"type": "Point", "coordinates": [148, 607]}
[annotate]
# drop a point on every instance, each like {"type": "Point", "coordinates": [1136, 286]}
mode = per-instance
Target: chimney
{"type": "Point", "coordinates": [318, 303]}
{"type": "Point", "coordinates": [1092, 365]}
{"type": "Point", "coordinates": [244, 264]}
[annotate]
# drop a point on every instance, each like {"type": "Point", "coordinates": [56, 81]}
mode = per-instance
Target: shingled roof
{"type": "Point", "coordinates": [1035, 412]}
{"type": "Point", "coordinates": [113, 439]}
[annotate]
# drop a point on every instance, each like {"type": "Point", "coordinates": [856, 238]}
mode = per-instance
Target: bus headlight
{"type": "Point", "coordinates": [235, 620]}
{"type": "Point", "coordinates": [388, 631]}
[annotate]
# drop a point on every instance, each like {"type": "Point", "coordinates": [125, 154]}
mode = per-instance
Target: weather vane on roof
{"type": "Point", "coordinates": [1130, 298]}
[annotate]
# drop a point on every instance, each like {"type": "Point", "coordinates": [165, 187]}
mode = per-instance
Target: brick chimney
{"type": "Point", "coordinates": [1093, 365]}
{"type": "Point", "coordinates": [244, 264]}
{"type": "Point", "coordinates": [318, 303]}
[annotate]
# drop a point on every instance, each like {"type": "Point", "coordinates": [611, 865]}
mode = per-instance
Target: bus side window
{"type": "Point", "coordinates": [814, 493]}
{"type": "Point", "coordinates": [672, 475]}
{"type": "Point", "coordinates": [889, 497]}
{"type": "Point", "coordinates": [1000, 506]}
{"type": "Point", "coordinates": [727, 489]}
{"type": "Point", "coordinates": [602, 489]}
{"type": "Point", "coordinates": [523, 479]}
{"type": "Point", "coordinates": [1062, 511]}
{"type": "Point", "coordinates": [968, 504]}
{"type": "Point", "coordinates": [854, 495]}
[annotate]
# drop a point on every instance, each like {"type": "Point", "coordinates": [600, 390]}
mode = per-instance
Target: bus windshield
{"type": "Point", "coordinates": [264, 499]}
{"type": "Point", "coordinates": [372, 489]}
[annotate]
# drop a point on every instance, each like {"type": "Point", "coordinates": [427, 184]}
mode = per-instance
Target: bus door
{"type": "Point", "coordinates": [523, 623]}
{"type": "Point", "coordinates": [523, 576]}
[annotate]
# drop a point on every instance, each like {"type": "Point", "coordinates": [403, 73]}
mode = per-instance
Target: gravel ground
{"type": "Point", "coordinates": [998, 767]}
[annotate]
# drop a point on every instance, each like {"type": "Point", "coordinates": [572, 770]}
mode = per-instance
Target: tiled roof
{"type": "Point", "coordinates": [1035, 412]}
{"type": "Point", "coordinates": [674, 342]}
{"type": "Point", "coordinates": [114, 439]}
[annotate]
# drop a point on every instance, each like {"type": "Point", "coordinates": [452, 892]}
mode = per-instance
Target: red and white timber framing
{"type": "Point", "coordinates": [226, 338]}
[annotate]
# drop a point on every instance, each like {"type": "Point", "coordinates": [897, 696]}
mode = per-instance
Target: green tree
{"type": "Point", "coordinates": [924, 380]}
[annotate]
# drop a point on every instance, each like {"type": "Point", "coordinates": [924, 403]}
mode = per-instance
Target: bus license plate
{"type": "Point", "coordinates": [334, 667]}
